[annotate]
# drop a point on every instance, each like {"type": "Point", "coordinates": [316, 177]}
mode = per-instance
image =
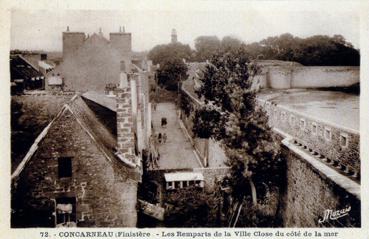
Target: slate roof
{"type": "Point", "coordinates": [195, 68]}
{"type": "Point", "coordinates": [108, 102]}
{"type": "Point", "coordinates": [105, 141]}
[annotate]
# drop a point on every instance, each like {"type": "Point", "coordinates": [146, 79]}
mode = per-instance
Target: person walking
{"type": "Point", "coordinates": [157, 159]}
{"type": "Point", "coordinates": [164, 137]}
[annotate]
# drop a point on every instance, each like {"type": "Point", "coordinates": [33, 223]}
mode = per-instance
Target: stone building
{"type": "Point", "coordinates": [85, 166]}
{"type": "Point", "coordinates": [92, 62]}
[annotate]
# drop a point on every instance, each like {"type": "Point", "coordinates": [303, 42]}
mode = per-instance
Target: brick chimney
{"type": "Point", "coordinates": [125, 133]}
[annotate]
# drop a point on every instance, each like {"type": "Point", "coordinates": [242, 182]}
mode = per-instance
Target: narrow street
{"type": "Point", "coordinates": [177, 152]}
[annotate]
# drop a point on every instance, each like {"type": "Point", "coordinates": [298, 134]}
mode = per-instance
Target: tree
{"type": "Point", "coordinates": [172, 68]}
{"type": "Point", "coordinates": [163, 53]}
{"type": "Point", "coordinates": [206, 46]}
{"type": "Point", "coordinates": [192, 207]}
{"type": "Point", "coordinates": [231, 116]}
{"type": "Point", "coordinates": [171, 72]}
{"type": "Point", "coordinates": [229, 43]}
{"type": "Point", "coordinates": [317, 50]}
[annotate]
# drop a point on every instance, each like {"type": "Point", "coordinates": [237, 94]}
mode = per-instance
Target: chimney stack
{"type": "Point", "coordinates": [125, 133]}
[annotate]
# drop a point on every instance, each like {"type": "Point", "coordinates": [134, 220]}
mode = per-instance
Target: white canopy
{"type": "Point", "coordinates": [183, 176]}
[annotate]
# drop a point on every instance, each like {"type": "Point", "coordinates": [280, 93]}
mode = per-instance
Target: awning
{"type": "Point", "coordinates": [183, 176]}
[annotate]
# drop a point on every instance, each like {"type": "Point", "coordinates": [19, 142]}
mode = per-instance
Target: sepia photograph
{"type": "Point", "coordinates": [237, 118]}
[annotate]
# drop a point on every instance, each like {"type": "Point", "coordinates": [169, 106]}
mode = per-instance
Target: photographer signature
{"type": "Point", "coordinates": [334, 215]}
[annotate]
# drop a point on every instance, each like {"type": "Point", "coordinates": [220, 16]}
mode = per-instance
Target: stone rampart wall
{"type": "Point", "coordinates": [339, 146]}
{"type": "Point", "coordinates": [309, 195]}
{"type": "Point", "coordinates": [286, 77]}
{"type": "Point", "coordinates": [324, 76]}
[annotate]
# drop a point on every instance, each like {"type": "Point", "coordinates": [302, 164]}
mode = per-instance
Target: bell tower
{"type": "Point", "coordinates": [174, 36]}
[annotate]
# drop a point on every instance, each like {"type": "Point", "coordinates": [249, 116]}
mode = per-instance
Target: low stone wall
{"type": "Point", "coordinates": [340, 145]}
{"type": "Point", "coordinates": [212, 175]}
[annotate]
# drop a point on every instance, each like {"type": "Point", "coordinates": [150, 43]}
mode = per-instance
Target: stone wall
{"type": "Point", "coordinates": [286, 77]}
{"type": "Point", "coordinates": [101, 190]}
{"type": "Point", "coordinates": [210, 152]}
{"type": "Point", "coordinates": [200, 145]}
{"type": "Point", "coordinates": [309, 194]}
{"type": "Point", "coordinates": [212, 175]}
{"type": "Point", "coordinates": [325, 76]}
{"type": "Point", "coordinates": [125, 134]}
{"type": "Point", "coordinates": [339, 146]}
{"type": "Point", "coordinates": [279, 77]}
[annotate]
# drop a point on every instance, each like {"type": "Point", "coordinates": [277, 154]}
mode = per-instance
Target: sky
{"type": "Point", "coordinates": [42, 29]}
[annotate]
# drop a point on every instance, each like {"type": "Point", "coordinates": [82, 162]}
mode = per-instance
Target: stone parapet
{"type": "Point", "coordinates": [337, 144]}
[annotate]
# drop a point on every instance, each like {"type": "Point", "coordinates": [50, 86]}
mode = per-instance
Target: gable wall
{"type": "Point", "coordinates": [103, 197]}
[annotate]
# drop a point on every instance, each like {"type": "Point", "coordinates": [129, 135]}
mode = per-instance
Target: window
{"type": "Point", "coordinates": [65, 167]}
{"type": "Point", "coordinates": [327, 133]}
{"type": "Point", "coordinates": [344, 140]}
{"type": "Point", "coordinates": [177, 184]}
{"type": "Point", "coordinates": [302, 123]}
{"type": "Point", "coordinates": [314, 128]}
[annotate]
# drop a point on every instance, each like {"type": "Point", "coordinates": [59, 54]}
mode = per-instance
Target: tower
{"type": "Point", "coordinates": [174, 36]}
{"type": "Point", "coordinates": [72, 41]}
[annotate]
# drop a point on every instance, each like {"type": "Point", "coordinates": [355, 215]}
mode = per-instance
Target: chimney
{"type": "Point", "coordinates": [125, 133]}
